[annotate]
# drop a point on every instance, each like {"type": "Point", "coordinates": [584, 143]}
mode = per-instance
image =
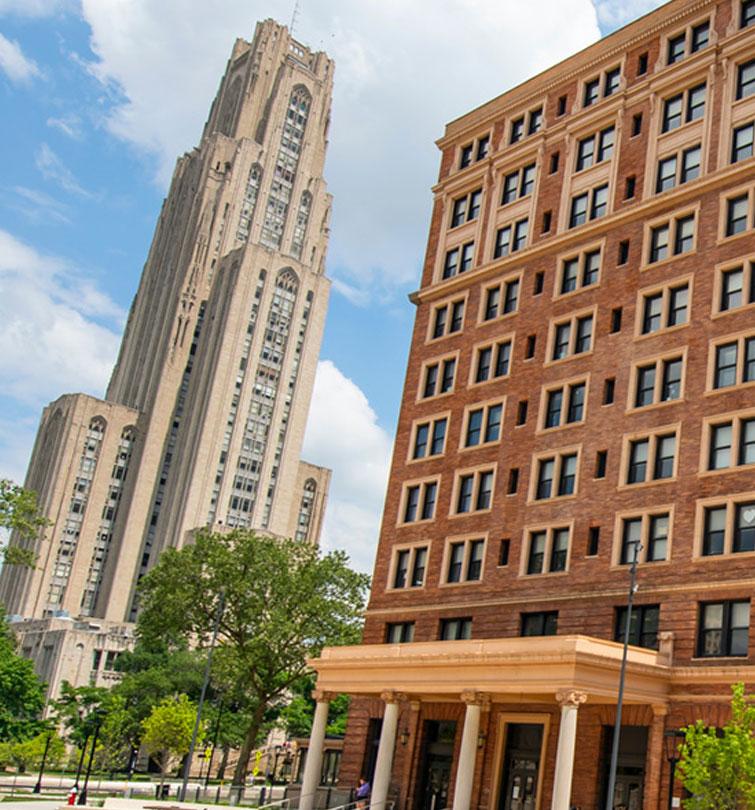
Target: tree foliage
{"type": "Point", "coordinates": [168, 731]}
{"type": "Point", "coordinates": [22, 694]}
{"type": "Point", "coordinates": [153, 671]}
{"type": "Point", "coordinates": [284, 602]}
{"type": "Point", "coordinates": [27, 754]}
{"type": "Point", "coordinates": [19, 512]}
{"type": "Point", "coordinates": [719, 767]}
{"type": "Point", "coordinates": [79, 709]}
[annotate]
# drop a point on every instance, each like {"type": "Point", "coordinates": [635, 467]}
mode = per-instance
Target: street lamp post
{"type": "Point", "coordinates": [622, 678]}
{"type": "Point", "coordinates": [83, 794]}
{"type": "Point", "coordinates": [81, 760]}
{"type": "Point", "coordinates": [671, 739]}
{"type": "Point", "coordinates": [38, 786]}
{"type": "Point", "coordinates": [205, 683]}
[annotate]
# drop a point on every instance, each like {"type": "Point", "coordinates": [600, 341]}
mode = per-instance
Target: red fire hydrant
{"type": "Point", "coordinates": [72, 795]}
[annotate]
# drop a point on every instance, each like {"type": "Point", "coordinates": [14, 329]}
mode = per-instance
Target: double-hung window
{"type": "Point", "coordinates": [671, 238]}
{"type": "Point", "coordinates": [582, 270]}
{"type": "Point", "coordinates": [492, 361]}
{"type": "Point", "coordinates": [595, 148]}
{"type": "Point", "coordinates": [556, 475]}
{"type": "Point", "coordinates": [724, 629]}
{"type": "Point", "coordinates": [683, 108]}
{"type": "Point", "coordinates": [734, 362]}
{"type": "Point", "coordinates": [429, 438]}
{"type": "Point", "coordinates": [565, 404]}
{"type": "Point", "coordinates": [589, 205]}
{"type": "Point", "coordinates": [419, 501]}
{"type": "Point", "coordinates": [474, 491]}
{"type": "Point", "coordinates": [663, 308]}
{"type": "Point", "coordinates": [518, 184]}
{"type": "Point", "coordinates": [483, 424]}
{"type": "Point", "coordinates": [651, 458]}
{"type": "Point", "coordinates": [572, 337]}
{"type": "Point", "coordinates": [643, 626]}
{"type": "Point", "coordinates": [409, 567]}
{"type": "Point", "coordinates": [466, 208]}
{"type": "Point", "coordinates": [547, 551]}
{"type": "Point", "coordinates": [464, 560]}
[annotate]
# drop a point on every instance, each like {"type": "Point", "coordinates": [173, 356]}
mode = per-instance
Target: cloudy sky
{"type": "Point", "coordinates": [98, 97]}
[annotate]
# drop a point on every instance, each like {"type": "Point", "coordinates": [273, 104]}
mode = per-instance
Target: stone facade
{"type": "Point", "coordinates": [80, 652]}
{"type": "Point", "coordinates": [580, 377]}
{"type": "Point", "coordinates": [215, 373]}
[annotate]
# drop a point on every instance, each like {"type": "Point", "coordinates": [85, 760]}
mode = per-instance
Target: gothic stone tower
{"type": "Point", "coordinates": [204, 417]}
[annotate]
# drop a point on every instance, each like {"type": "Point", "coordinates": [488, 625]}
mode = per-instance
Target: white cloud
{"type": "Point", "coordinates": [58, 333]}
{"type": "Point", "coordinates": [16, 66]}
{"type": "Point", "coordinates": [343, 433]}
{"type": "Point", "coordinates": [69, 124]}
{"type": "Point", "coordinates": [53, 169]}
{"type": "Point", "coordinates": [35, 8]}
{"type": "Point", "coordinates": [38, 207]}
{"type": "Point", "coordinates": [613, 14]}
{"type": "Point", "coordinates": [402, 71]}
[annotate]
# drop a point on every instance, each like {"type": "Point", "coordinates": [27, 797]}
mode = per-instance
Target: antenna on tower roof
{"type": "Point", "coordinates": [294, 15]}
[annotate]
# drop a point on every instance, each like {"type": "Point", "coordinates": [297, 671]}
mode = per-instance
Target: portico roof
{"type": "Point", "coordinates": [522, 669]}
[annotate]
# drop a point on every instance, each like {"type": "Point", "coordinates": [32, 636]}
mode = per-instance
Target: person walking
{"type": "Point", "coordinates": [363, 793]}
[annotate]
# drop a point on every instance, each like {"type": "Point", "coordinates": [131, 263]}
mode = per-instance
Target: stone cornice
{"type": "Point", "coordinates": [592, 57]}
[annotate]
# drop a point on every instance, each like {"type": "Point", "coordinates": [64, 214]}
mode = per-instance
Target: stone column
{"type": "Point", "coordinates": [313, 765]}
{"type": "Point", "coordinates": [382, 779]}
{"type": "Point", "coordinates": [468, 752]}
{"type": "Point", "coordinates": [567, 740]}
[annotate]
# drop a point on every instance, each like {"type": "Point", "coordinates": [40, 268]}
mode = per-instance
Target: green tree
{"type": "Point", "coordinates": [152, 672]}
{"type": "Point", "coordinates": [115, 738]}
{"type": "Point", "coordinates": [79, 709]}
{"type": "Point", "coordinates": [19, 512]}
{"type": "Point", "coordinates": [22, 694]}
{"type": "Point", "coordinates": [168, 730]}
{"type": "Point", "coordinates": [27, 754]}
{"type": "Point", "coordinates": [719, 767]}
{"type": "Point", "coordinates": [284, 602]}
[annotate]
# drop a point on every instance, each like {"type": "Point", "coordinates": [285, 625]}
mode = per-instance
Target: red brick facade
{"type": "Point", "coordinates": [593, 583]}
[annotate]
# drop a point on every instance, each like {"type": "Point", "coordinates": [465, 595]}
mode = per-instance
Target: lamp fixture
{"type": "Point", "coordinates": [404, 736]}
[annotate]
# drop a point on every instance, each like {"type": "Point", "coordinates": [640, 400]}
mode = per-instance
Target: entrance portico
{"type": "Point", "coordinates": [547, 680]}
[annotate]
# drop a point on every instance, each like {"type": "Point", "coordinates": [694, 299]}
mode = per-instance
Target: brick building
{"type": "Point", "coordinates": [581, 378]}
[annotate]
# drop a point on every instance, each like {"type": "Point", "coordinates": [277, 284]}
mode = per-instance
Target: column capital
{"type": "Point", "coordinates": [391, 696]}
{"type": "Point", "coordinates": [571, 698]}
{"type": "Point", "coordinates": [321, 696]}
{"type": "Point", "coordinates": [474, 698]}
{"type": "Point", "coordinates": [415, 705]}
{"type": "Point", "coordinates": [659, 711]}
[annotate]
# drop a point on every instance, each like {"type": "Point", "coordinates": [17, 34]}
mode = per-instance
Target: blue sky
{"type": "Point", "coordinates": [98, 97]}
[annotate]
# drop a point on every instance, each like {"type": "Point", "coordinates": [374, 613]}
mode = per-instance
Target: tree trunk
{"type": "Point", "coordinates": [248, 745]}
{"type": "Point", "coordinates": [223, 763]}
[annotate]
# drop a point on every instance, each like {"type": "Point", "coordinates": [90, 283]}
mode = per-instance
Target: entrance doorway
{"type": "Point", "coordinates": [630, 770]}
{"type": "Point", "coordinates": [435, 764]}
{"type": "Point", "coordinates": [521, 766]}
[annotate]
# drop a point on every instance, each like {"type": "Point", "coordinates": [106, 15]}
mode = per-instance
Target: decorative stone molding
{"type": "Point", "coordinates": [659, 712]}
{"type": "Point", "coordinates": [415, 705]}
{"type": "Point", "coordinates": [391, 696]}
{"type": "Point", "coordinates": [571, 698]}
{"type": "Point", "coordinates": [474, 698]}
{"type": "Point", "coordinates": [666, 646]}
{"type": "Point", "coordinates": [321, 696]}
